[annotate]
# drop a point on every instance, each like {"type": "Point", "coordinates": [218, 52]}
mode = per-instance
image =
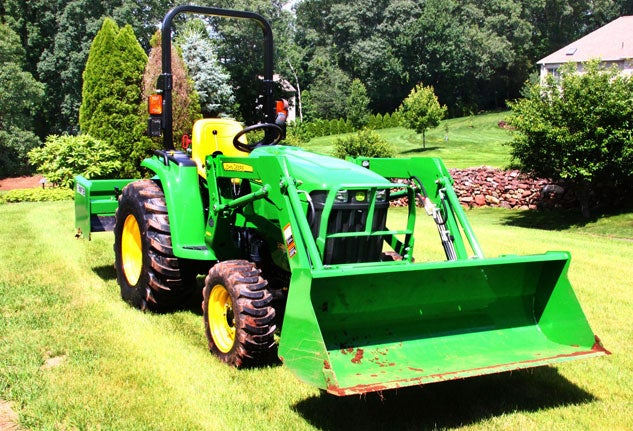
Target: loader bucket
{"type": "Point", "coordinates": [359, 328]}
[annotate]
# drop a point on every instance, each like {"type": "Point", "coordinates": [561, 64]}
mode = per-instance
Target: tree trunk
{"type": "Point", "coordinates": [584, 201]}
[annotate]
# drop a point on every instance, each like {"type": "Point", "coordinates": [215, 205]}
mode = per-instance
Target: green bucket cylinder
{"type": "Point", "coordinates": [362, 328]}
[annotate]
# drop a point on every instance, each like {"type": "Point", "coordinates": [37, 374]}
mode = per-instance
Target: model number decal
{"type": "Point", "coordinates": [237, 167]}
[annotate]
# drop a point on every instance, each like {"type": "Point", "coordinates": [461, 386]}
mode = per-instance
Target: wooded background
{"type": "Point", "coordinates": [475, 54]}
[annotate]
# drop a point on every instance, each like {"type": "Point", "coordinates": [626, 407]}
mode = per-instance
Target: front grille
{"type": "Point", "coordinates": [349, 217]}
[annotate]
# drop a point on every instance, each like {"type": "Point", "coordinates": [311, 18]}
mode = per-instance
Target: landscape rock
{"type": "Point", "coordinates": [487, 186]}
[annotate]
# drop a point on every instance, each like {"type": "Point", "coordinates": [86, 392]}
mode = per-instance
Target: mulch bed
{"type": "Point", "coordinates": [20, 182]}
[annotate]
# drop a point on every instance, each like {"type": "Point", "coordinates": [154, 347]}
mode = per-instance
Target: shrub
{"type": "Point", "coordinates": [364, 143]}
{"type": "Point", "coordinates": [297, 133]}
{"type": "Point", "coordinates": [334, 129]}
{"type": "Point", "coordinates": [322, 127]}
{"type": "Point", "coordinates": [395, 120]}
{"type": "Point", "coordinates": [63, 157]}
{"type": "Point", "coordinates": [374, 122]}
{"type": "Point", "coordinates": [578, 129]}
{"type": "Point", "coordinates": [37, 195]}
{"type": "Point", "coordinates": [382, 121]}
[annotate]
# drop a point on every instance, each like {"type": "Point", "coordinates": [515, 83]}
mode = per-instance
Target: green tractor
{"type": "Point", "coordinates": [301, 263]}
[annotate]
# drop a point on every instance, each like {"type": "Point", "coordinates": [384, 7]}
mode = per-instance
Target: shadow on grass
{"type": "Point", "coordinates": [108, 273]}
{"type": "Point", "coordinates": [445, 405]}
{"type": "Point", "coordinates": [556, 219]}
{"type": "Point", "coordinates": [105, 272]}
{"type": "Point", "coordinates": [420, 150]}
{"type": "Point", "coordinates": [547, 219]}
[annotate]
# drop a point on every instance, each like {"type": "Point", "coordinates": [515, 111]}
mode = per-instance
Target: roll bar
{"type": "Point", "coordinates": [165, 79]}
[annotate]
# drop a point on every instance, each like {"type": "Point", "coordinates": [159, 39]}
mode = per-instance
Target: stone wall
{"type": "Point", "coordinates": [486, 186]}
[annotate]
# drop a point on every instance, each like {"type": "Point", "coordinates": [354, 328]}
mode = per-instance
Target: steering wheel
{"type": "Point", "coordinates": [272, 136]}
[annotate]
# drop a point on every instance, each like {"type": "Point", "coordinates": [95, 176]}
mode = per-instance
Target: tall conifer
{"type": "Point", "coordinates": [111, 94]}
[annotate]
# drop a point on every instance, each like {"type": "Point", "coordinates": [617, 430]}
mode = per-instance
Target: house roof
{"type": "Point", "coordinates": [612, 42]}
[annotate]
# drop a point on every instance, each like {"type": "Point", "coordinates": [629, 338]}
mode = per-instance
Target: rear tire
{"type": "Point", "coordinates": [238, 318]}
{"type": "Point", "coordinates": [150, 276]}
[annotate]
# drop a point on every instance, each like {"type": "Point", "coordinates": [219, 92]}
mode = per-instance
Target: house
{"type": "Point", "coordinates": [612, 44]}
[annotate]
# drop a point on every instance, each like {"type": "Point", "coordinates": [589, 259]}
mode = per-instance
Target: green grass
{"type": "Point", "coordinates": [472, 141]}
{"type": "Point", "coordinates": [120, 369]}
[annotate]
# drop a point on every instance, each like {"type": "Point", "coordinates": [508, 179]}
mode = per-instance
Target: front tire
{"type": "Point", "coordinates": [150, 276]}
{"type": "Point", "coordinates": [238, 318]}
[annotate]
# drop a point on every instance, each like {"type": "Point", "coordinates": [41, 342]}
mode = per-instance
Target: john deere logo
{"type": "Point", "coordinates": [237, 167]}
{"type": "Point", "coordinates": [360, 196]}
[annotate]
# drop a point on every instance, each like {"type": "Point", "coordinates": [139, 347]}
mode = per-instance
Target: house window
{"type": "Point", "coordinates": [553, 70]}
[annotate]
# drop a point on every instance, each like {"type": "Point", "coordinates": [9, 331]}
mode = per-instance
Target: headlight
{"type": "Point", "coordinates": [341, 196]}
{"type": "Point", "coordinates": [381, 195]}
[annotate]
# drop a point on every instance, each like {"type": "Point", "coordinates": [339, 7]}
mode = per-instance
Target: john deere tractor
{"type": "Point", "coordinates": [307, 260]}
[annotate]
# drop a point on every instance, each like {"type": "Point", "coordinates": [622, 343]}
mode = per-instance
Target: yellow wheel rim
{"type": "Point", "coordinates": [221, 319]}
{"type": "Point", "coordinates": [131, 250]}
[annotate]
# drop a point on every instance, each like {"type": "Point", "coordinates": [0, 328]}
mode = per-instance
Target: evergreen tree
{"type": "Point", "coordinates": [210, 79]}
{"type": "Point", "coordinates": [358, 104]}
{"type": "Point", "coordinates": [111, 94]}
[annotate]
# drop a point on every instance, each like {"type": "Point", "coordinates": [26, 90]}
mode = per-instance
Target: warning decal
{"type": "Point", "coordinates": [290, 241]}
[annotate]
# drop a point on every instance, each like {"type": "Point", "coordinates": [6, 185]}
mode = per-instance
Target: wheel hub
{"type": "Point", "coordinates": [131, 250]}
{"type": "Point", "coordinates": [221, 318]}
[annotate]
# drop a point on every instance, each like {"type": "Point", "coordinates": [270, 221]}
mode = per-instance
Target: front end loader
{"type": "Point", "coordinates": [306, 259]}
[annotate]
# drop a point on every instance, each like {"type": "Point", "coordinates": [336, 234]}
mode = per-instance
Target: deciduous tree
{"type": "Point", "coordinates": [358, 105]}
{"type": "Point", "coordinates": [421, 110]}
{"type": "Point", "coordinates": [20, 98]}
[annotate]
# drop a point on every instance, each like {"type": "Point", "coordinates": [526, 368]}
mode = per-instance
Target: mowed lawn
{"type": "Point", "coordinates": [460, 142]}
{"type": "Point", "coordinates": [73, 356]}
